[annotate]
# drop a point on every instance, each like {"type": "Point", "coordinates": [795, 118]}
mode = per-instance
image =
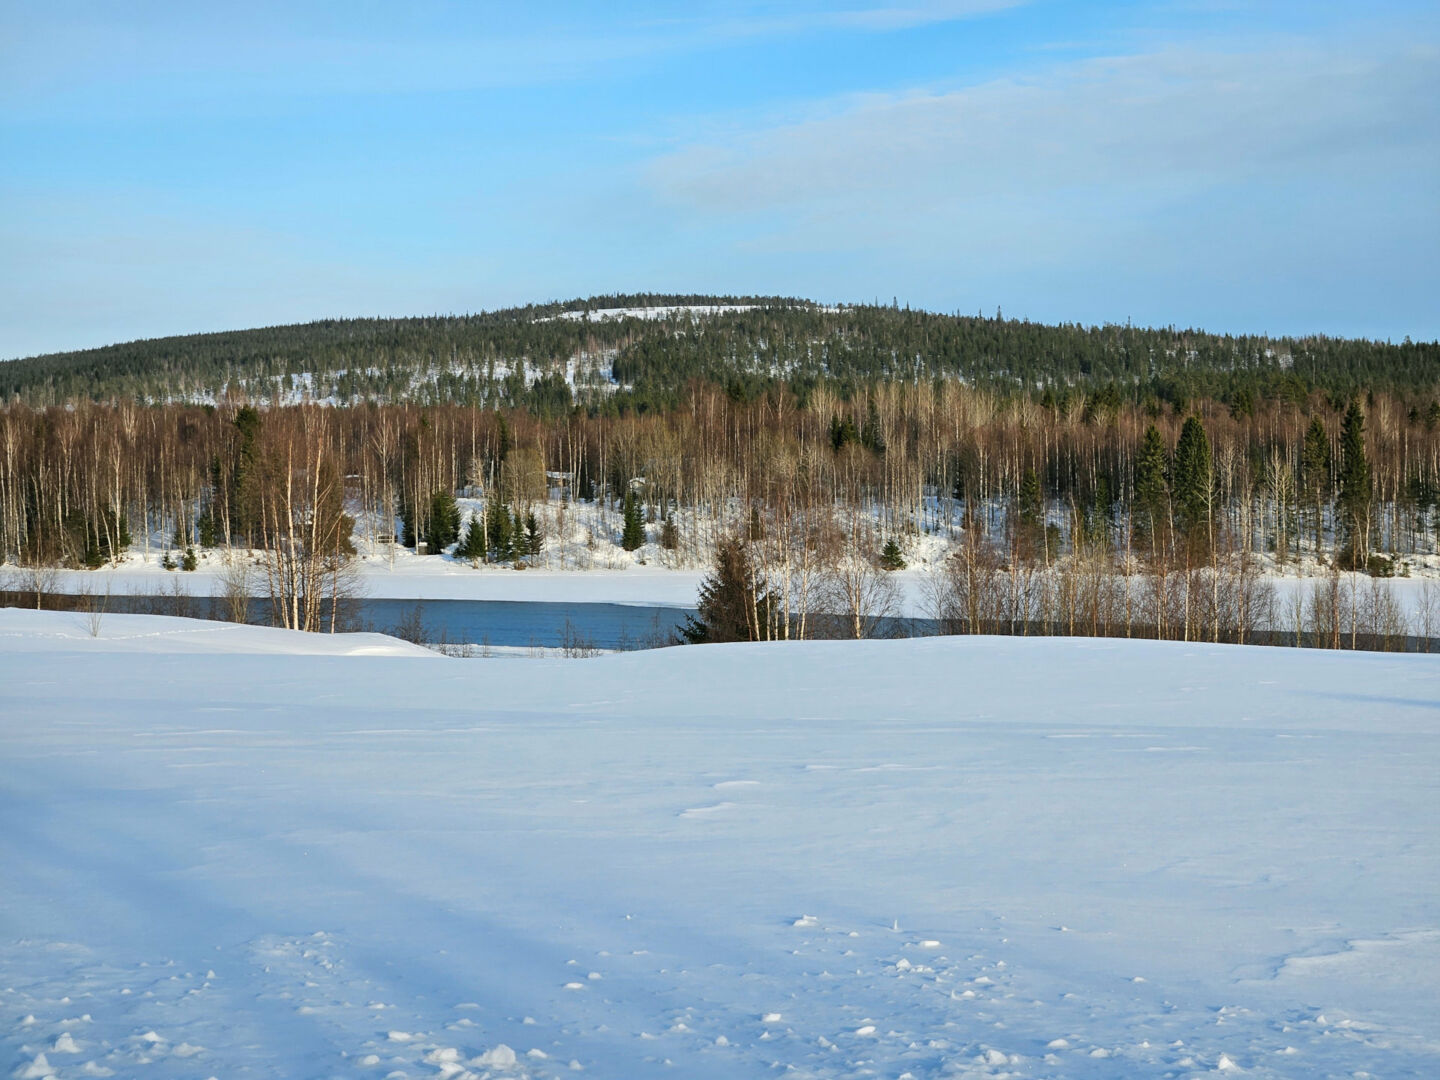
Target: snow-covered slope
{"type": "Point", "coordinates": [972, 857]}
{"type": "Point", "coordinates": [48, 632]}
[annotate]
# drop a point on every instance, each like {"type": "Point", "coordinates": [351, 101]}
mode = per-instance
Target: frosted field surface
{"type": "Point", "coordinates": [238, 852]}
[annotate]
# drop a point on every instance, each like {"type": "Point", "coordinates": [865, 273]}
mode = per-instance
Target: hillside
{"type": "Point", "coordinates": [642, 350]}
{"type": "Point", "coordinates": [817, 860]}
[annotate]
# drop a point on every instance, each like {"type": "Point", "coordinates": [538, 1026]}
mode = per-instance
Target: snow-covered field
{"type": "Point", "coordinates": [238, 852]}
{"type": "Point", "coordinates": [412, 577]}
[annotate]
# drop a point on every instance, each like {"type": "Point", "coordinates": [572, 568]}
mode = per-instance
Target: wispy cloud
{"type": "Point", "coordinates": [51, 57]}
{"type": "Point", "coordinates": [1291, 187]}
{"type": "Point", "coordinates": [1177, 117]}
{"type": "Point", "coordinates": [881, 17]}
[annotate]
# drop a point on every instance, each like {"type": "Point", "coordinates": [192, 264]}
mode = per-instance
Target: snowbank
{"type": "Point", "coordinates": [23, 631]}
{"type": "Point", "coordinates": [975, 857]}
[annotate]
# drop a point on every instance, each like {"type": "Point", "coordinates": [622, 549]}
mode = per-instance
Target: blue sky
{"type": "Point", "coordinates": [1241, 166]}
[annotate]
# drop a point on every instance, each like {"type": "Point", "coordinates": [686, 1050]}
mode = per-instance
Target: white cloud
{"type": "Point", "coordinates": [1169, 121]}
{"type": "Point", "coordinates": [1286, 189]}
{"type": "Point", "coordinates": [202, 58]}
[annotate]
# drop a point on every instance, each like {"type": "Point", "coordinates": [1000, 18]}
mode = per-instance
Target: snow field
{"type": "Point", "coordinates": [934, 858]}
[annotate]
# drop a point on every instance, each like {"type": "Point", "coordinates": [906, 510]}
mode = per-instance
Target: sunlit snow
{"type": "Point", "coordinates": [238, 852]}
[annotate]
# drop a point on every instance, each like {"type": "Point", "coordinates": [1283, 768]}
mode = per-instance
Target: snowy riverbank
{"type": "Point", "coordinates": [227, 854]}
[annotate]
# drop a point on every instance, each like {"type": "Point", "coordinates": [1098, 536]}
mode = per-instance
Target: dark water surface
{"type": "Point", "coordinates": [462, 622]}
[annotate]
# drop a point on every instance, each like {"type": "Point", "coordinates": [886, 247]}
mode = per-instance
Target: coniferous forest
{"type": "Point", "coordinates": [1084, 479]}
{"type": "Point", "coordinates": [547, 358]}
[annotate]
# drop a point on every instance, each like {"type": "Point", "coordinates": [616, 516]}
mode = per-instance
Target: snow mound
{"type": "Point", "coordinates": [44, 631]}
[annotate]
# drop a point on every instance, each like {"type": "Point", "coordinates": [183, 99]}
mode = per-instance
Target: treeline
{"type": "Point", "coordinates": [541, 359]}
{"type": "Point", "coordinates": [1288, 478]}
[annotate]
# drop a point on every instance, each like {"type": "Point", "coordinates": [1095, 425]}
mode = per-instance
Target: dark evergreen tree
{"type": "Point", "coordinates": [585, 481]}
{"type": "Point", "coordinates": [472, 547]}
{"type": "Point", "coordinates": [633, 534]}
{"type": "Point", "coordinates": [891, 557]}
{"type": "Point", "coordinates": [245, 477]}
{"type": "Point", "coordinates": [732, 604]}
{"type": "Point", "coordinates": [843, 432]}
{"type": "Point", "coordinates": [871, 436]}
{"type": "Point", "coordinates": [409, 527]}
{"type": "Point", "coordinates": [1194, 478]}
{"type": "Point", "coordinates": [534, 537]}
{"type": "Point", "coordinates": [444, 526]}
{"type": "Point", "coordinates": [1032, 499]}
{"type": "Point", "coordinates": [1315, 474]}
{"type": "Point", "coordinates": [502, 437]}
{"type": "Point", "coordinates": [499, 536]}
{"type": "Point", "coordinates": [1353, 502]}
{"type": "Point", "coordinates": [1152, 492]}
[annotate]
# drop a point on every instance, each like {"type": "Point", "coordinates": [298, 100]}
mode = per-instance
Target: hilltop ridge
{"type": "Point", "coordinates": [641, 350]}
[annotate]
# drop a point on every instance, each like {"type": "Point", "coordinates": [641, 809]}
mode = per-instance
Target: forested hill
{"type": "Point", "coordinates": [640, 351]}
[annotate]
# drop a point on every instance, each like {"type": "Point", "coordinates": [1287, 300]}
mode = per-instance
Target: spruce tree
{"type": "Point", "coordinates": [1193, 477]}
{"type": "Point", "coordinates": [444, 521]}
{"type": "Point", "coordinates": [409, 527]}
{"type": "Point", "coordinates": [870, 436]}
{"type": "Point", "coordinates": [1315, 470]}
{"type": "Point", "coordinates": [891, 557]}
{"type": "Point", "coordinates": [499, 538]}
{"type": "Point", "coordinates": [1151, 489]}
{"type": "Point", "coordinates": [473, 546]}
{"type": "Point", "coordinates": [633, 534]}
{"type": "Point", "coordinates": [1032, 502]}
{"type": "Point", "coordinates": [669, 533]}
{"type": "Point", "coordinates": [534, 537]}
{"type": "Point", "coordinates": [733, 604]}
{"type": "Point", "coordinates": [1355, 487]}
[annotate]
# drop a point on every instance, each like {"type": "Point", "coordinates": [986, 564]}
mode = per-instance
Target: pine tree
{"type": "Point", "coordinates": [633, 534]}
{"type": "Point", "coordinates": [1355, 488]}
{"type": "Point", "coordinates": [534, 537]}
